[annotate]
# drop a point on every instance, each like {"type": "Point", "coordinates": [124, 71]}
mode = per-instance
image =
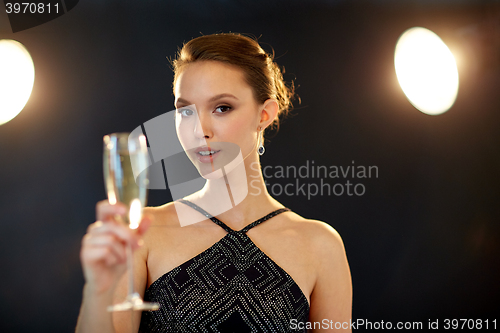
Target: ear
{"type": "Point", "coordinates": [268, 112]}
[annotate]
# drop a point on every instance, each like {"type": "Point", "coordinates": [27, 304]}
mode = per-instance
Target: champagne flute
{"type": "Point", "coordinates": [126, 179]}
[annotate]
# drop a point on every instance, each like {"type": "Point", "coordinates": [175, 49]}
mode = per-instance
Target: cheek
{"type": "Point", "coordinates": [240, 132]}
{"type": "Point", "coordinates": [185, 133]}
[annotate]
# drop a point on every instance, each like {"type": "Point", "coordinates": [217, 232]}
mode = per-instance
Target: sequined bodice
{"type": "Point", "coordinates": [231, 287]}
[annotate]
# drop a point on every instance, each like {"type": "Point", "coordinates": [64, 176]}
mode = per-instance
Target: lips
{"type": "Point", "coordinates": [206, 154]}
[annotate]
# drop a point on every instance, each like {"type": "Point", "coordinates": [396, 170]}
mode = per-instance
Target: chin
{"type": "Point", "coordinates": [217, 174]}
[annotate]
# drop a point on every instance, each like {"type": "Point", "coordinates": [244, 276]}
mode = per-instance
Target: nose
{"type": "Point", "coordinates": [203, 128]}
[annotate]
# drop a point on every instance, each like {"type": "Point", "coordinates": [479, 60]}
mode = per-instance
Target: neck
{"type": "Point", "coordinates": [238, 197]}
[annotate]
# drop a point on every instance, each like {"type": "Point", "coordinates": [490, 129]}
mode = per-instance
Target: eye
{"type": "Point", "coordinates": [222, 109]}
{"type": "Point", "coordinates": [185, 112]}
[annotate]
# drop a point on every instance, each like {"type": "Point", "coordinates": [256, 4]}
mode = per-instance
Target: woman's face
{"type": "Point", "coordinates": [217, 115]}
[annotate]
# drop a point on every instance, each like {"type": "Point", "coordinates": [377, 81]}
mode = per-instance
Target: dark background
{"type": "Point", "coordinates": [422, 242]}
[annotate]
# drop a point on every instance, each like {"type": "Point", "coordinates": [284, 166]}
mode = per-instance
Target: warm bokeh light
{"type": "Point", "coordinates": [17, 75]}
{"type": "Point", "coordinates": [135, 213]}
{"type": "Point", "coordinates": [426, 71]}
{"type": "Point", "coordinates": [112, 197]}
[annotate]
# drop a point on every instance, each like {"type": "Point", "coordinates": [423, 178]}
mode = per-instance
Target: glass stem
{"type": "Point", "coordinates": [130, 270]}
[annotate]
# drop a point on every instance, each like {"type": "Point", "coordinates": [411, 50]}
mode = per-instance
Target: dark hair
{"type": "Point", "coordinates": [261, 72]}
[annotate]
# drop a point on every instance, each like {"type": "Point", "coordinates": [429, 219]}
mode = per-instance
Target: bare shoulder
{"type": "Point", "coordinates": [324, 238]}
{"type": "Point", "coordinates": [164, 215]}
{"type": "Point", "coordinates": [163, 226]}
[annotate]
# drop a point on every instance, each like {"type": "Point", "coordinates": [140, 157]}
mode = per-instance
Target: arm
{"type": "Point", "coordinates": [103, 257]}
{"type": "Point", "coordinates": [331, 299]}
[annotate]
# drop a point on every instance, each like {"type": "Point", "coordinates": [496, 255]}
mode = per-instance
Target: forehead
{"type": "Point", "coordinates": [203, 79]}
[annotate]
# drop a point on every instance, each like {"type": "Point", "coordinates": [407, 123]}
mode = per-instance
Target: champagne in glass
{"type": "Point", "coordinates": [125, 175]}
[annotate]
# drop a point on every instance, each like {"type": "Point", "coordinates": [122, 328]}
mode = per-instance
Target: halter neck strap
{"type": "Point", "coordinates": [224, 226]}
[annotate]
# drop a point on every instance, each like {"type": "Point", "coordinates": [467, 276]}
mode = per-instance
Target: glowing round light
{"type": "Point", "coordinates": [17, 75]}
{"type": "Point", "coordinates": [426, 71]}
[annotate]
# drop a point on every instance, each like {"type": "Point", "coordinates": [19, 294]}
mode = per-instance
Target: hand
{"type": "Point", "coordinates": [103, 252]}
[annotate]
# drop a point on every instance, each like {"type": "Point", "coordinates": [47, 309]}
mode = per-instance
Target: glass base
{"type": "Point", "coordinates": [134, 302]}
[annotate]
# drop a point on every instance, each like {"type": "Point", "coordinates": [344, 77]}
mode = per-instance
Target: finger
{"type": "Point", "coordinates": [100, 254]}
{"type": "Point", "coordinates": [96, 224]}
{"type": "Point", "coordinates": [112, 260]}
{"type": "Point", "coordinates": [106, 211]}
{"type": "Point", "coordinates": [109, 241]}
{"type": "Point", "coordinates": [120, 231]}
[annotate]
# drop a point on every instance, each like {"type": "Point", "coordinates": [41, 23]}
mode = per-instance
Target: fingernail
{"type": "Point", "coordinates": [140, 242]}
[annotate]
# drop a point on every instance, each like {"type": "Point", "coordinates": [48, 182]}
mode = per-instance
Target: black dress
{"type": "Point", "coordinates": [231, 287]}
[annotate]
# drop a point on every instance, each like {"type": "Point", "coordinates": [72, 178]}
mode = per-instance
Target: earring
{"type": "Point", "coordinates": [261, 149]}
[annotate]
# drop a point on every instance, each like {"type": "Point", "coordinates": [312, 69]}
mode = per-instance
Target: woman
{"type": "Point", "coordinates": [256, 266]}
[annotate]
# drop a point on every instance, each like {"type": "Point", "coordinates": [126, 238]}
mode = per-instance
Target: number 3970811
{"type": "Point", "coordinates": [31, 8]}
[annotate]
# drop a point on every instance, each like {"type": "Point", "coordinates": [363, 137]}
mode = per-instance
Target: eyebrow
{"type": "Point", "coordinates": [217, 97]}
{"type": "Point", "coordinates": [212, 99]}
